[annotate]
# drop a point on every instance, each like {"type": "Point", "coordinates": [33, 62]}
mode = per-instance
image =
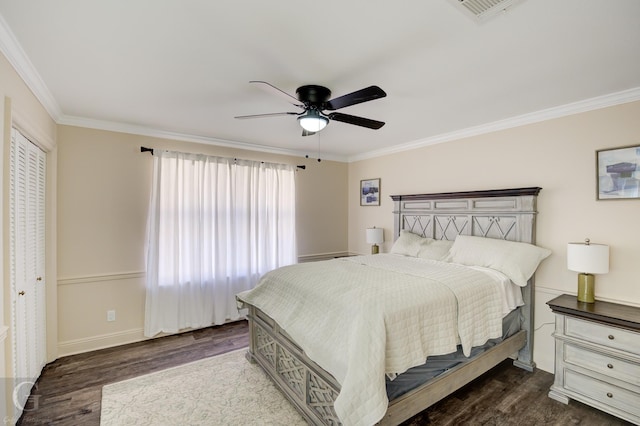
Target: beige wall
{"type": "Point", "coordinates": [104, 186]}
{"type": "Point", "coordinates": [20, 108]}
{"type": "Point", "coordinates": [557, 155]}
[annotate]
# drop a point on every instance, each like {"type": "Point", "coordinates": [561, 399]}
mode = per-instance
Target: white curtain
{"type": "Point", "coordinates": [215, 226]}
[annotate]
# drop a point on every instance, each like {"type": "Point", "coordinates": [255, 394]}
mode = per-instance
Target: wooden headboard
{"type": "Point", "coordinates": [508, 214]}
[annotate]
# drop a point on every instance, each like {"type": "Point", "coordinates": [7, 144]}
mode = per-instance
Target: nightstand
{"type": "Point", "coordinates": [597, 355]}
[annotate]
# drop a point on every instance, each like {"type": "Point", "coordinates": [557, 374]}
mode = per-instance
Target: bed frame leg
{"type": "Point", "coordinates": [249, 356]}
{"type": "Point", "coordinates": [525, 365]}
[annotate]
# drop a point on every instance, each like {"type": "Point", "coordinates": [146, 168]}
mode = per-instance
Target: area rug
{"type": "Point", "coordinates": [221, 390]}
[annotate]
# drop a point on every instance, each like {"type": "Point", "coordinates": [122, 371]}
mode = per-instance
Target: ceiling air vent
{"type": "Point", "coordinates": [481, 10]}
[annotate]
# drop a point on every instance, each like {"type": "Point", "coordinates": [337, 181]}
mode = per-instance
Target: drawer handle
{"type": "Point", "coordinates": [609, 365]}
{"type": "Point", "coordinates": [611, 337]}
{"type": "Point", "coordinates": [609, 395]}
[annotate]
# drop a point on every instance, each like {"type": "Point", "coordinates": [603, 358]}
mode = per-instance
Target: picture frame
{"type": "Point", "coordinates": [618, 173]}
{"type": "Point", "coordinates": [370, 192]}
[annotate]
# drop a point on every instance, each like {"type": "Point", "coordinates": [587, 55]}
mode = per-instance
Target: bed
{"type": "Point", "coordinates": [348, 343]}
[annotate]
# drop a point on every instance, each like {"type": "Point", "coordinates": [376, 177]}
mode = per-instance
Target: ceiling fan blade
{"type": "Point", "coordinates": [363, 95]}
{"type": "Point", "coordinates": [281, 93]}
{"type": "Point", "coordinates": [273, 114]}
{"type": "Point", "coordinates": [358, 121]}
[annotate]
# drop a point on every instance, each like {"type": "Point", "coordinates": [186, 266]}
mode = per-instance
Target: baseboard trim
{"type": "Point", "coordinates": [110, 340]}
{"type": "Point", "coordinates": [103, 341]}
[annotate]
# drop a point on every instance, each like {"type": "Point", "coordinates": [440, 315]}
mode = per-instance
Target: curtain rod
{"type": "Point", "coordinates": [145, 149]}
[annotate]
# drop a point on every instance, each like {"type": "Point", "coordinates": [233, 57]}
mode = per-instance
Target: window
{"type": "Point", "coordinates": [215, 226]}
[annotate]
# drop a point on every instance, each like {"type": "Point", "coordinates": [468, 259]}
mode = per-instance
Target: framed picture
{"type": "Point", "coordinates": [618, 173]}
{"type": "Point", "coordinates": [370, 192]}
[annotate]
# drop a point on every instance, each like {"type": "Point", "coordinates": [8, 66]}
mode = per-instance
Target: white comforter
{"type": "Point", "coordinates": [363, 317]}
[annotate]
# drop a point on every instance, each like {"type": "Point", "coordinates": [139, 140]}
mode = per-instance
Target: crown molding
{"type": "Point", "coordinates": [162, 134]}
{"type": "Point", "coordinates": [612, 99]}
{"type": "Point", "coordinates": [20, 61]}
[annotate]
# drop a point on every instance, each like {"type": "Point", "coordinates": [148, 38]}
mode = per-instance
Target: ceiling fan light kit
{"type": "Point", "coordinates": [312, 121]}
{"type": "Point", "coordinates": [314, 100]}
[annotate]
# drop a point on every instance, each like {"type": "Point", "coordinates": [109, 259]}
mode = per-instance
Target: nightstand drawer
{"type": "Point", "coordinates": [602, 392]}
{"type": "Point", "coordinates": [603, 364]}
{"type": "Point", "coordinates": [611, 337]}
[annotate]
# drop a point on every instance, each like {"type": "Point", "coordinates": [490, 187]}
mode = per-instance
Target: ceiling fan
{"type": "Point", "coordinates": [315, 100]}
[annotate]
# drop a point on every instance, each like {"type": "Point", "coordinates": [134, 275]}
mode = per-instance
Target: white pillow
{"type": "Point", "coordinates": [407, 244]}
{"type": "Point", "coordinates": [410, 244]}
{"type": "Point", "coordinates": [434, 249]}
{"type": "Point", "coordinates": [516, 260]}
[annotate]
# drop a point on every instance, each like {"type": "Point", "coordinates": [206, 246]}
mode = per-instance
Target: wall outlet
{"type": "Point", "coordinates": [111, 315]}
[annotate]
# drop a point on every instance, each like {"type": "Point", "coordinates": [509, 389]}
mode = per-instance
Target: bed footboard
{"type": "Point", "coordinates": [307, 386]}
{"type": "Point", "coordinates": [313, 391]}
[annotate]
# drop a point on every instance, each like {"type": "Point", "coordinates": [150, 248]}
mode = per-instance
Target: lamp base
{"type": "Point", "coordinates": [375, 249]}
{"type": "Point", "coordinates": [586, 288]}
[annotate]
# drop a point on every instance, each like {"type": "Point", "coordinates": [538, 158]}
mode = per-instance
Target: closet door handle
{"type": "Point", "coordinates": [21, 293]}
{"type": "Point", "coordinates": [38, 278]}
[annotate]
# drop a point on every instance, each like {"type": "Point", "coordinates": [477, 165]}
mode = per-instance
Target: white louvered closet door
{"type": "Point", "coordinates": [27, 258]}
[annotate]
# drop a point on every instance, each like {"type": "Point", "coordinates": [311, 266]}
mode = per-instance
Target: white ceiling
{"type": "Point", "coordinates": [182, 68]}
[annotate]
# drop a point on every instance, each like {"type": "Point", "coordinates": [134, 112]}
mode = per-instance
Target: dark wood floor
{"type": "Point", "coordinates": [69, 390]}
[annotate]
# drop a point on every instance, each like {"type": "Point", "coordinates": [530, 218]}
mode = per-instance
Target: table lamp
{"type": "Point", "coordinates": [375, 236]}
{"type": "Point", "coordinates": [588, 259]}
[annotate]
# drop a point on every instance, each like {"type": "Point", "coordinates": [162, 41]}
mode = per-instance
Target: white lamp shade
{"type": "Point", "coordinates": [375, 235]}
{"type": "Point", "coordinates": [588, 258]}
